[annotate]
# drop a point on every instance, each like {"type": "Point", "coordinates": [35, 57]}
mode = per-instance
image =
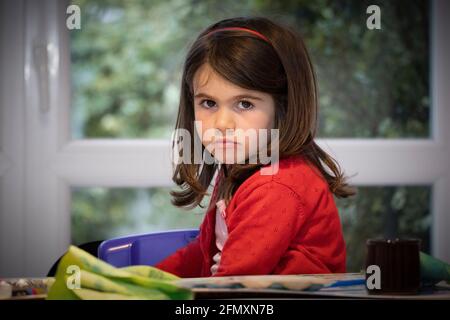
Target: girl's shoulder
{"type": "Point", "coordinates": [294, 173]}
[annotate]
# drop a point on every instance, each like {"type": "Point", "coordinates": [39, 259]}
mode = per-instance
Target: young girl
{"type": "Point", "coordinates": [252, 73]}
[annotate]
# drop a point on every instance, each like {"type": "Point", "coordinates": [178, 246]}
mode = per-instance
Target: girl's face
{"type": "Point", "coordinates": [231, 117]}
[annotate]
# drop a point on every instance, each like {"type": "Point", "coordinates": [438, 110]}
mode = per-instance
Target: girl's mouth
{"type": "Point", "coordinates": [225, 143]}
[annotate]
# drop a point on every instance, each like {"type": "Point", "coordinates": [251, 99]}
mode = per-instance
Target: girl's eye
{"type": "Point", "coordinates": [245, 105]}
{"type": "Point", "coordinates": [209, 104]}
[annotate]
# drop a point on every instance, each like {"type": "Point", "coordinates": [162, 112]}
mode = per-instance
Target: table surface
{"type": "Point", "coordinates": [299, 286]}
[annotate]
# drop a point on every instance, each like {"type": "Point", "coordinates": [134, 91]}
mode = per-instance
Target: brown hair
{"type": "Point", "coordinates": [281, 68]}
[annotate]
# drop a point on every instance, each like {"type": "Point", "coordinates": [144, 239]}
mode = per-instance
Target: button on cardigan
{"type": "Point", "coordinates": [285, 223]}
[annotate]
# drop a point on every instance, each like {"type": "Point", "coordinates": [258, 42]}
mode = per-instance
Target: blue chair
{"type": "Point", "coordinates": [144, 249]}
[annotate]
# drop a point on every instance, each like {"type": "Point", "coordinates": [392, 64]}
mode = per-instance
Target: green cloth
{"type": "Point", "coordinates": [433, 270]}
{"type": "Point", "coordinates": [83, 276]}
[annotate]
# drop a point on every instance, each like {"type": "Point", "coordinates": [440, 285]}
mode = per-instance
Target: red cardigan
{"type": "Point", "coordinates": [286, 223]}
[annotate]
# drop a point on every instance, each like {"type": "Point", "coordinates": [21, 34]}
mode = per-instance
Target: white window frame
{"type": "Point", "coordinates": [39, 163]}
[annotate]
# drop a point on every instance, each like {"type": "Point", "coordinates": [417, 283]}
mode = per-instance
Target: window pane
{"type": "Point", "coordinates": [372, 83]}
{"type": "Point", "coordinates": [127, 59]}
{"type": "Point", "coordinates": [384, 212]}
{"type": "Point", "coordinates": [376, 212]}
{"type": "Point", "coordinates": [104, 213]}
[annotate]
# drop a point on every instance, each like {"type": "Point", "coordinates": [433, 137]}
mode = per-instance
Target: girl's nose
{"type": "Point", "coordinates": [224, 119]}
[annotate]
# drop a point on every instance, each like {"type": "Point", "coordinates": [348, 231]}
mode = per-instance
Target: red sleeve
{"type": "Point", "coordinates": [185, 262]}
{"type": "Point", "coordinates": [260, 230]}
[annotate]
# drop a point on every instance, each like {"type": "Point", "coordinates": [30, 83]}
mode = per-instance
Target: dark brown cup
{"type": "Point", "coordinates": [399, 264]}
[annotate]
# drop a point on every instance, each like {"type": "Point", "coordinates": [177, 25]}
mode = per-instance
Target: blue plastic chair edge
{"type": "Point", "coordinates": [127, 241]}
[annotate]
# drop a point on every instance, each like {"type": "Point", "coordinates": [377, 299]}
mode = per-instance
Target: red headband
{"type": "Point", "coordinates": [256, 33]}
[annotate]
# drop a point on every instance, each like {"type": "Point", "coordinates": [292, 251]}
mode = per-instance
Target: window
{"type": "Point", "coordinates": [104, 213]}
{"type": "Point", "coordinates": [126, 69]}
{"type": "Point", "coordinates": [384, 212]}
{"type": "Point", "coordinates": [127, 60]}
